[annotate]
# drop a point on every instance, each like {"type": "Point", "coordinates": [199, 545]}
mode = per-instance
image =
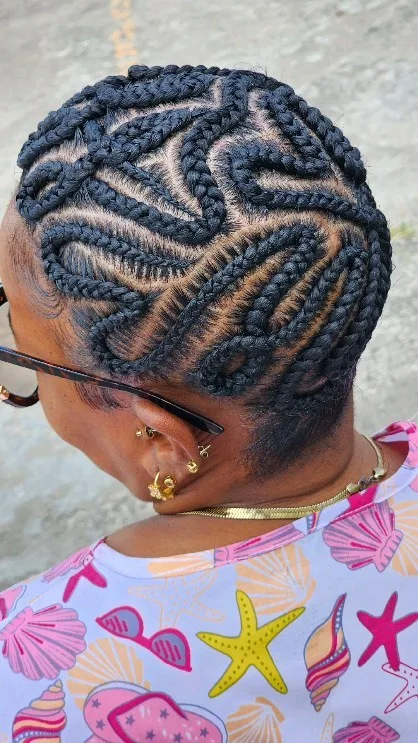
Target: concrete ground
{"type": "Point", "coordinates": [355, 59]}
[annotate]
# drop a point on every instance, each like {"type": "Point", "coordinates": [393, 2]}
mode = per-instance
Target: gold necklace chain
{"type": "Point", "coordinates": [277, 513]}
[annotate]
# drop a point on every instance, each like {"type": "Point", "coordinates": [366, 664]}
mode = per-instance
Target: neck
{"type": "Point", "coordinates": [319, 473]}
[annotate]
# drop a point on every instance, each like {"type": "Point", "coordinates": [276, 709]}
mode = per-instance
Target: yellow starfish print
{"type": "Point", "coordinates": [249, 648]}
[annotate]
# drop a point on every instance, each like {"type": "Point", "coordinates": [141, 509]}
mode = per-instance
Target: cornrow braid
{"type": "Point", "coordinates": [213, 206]}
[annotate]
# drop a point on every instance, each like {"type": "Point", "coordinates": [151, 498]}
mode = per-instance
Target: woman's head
{"type": "Point", "coordinates": [205, 233]}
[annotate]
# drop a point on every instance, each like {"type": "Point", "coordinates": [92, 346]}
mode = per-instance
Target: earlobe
{"type": "Point", "coordinates": [162, 492]}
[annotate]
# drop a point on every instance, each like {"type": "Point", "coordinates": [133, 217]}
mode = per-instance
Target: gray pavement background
{"type": "Point", "coordinates": [355, 59]}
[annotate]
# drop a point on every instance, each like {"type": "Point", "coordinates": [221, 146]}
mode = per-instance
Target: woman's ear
{"type": "Point", "coordinates": [171, 446]}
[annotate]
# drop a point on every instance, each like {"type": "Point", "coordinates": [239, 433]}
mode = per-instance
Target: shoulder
{"type": "Point", "coordinates": [153, 538]}
{"type": "Point", "coordinates": [55, 584]}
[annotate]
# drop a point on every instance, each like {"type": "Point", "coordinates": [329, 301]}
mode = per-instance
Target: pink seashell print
{"type": "Point", "coordinates": [373, 731]}
{"type": "Point", "coordinates": [82, 560]}
{"type": "Point", "coordinates": [74, 562]}
{"type": "Point", "coordinates": [44, 719]}
{"type": "Point", "coordinates": [257, 545]}
{"type": "Point", "coordinates": [327, 656]}
{"type": "Point", "coordinates": [412, 459]}
{"type": "Point", "coordinates": [368, 537]}
{"type": "Point", "coordinates": [126, 713]}
{"type": "Point", "coordinates": [9, 599]}
{"type": "Point", "coordinates": [40, 644]}
{"type": "Point", "coordinates": [169, 645]}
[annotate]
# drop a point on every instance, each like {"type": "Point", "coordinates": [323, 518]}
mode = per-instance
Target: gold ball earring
{"type": "Point", "coordinates": [193, 467]}
{"type": "Point", "coordinates": [138, 433]}
{"type": "Point", "coordinates": [158, 492]}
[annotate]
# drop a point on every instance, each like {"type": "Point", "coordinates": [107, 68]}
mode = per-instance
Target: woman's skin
{"type": "Point", "coordinates": [108, 437]}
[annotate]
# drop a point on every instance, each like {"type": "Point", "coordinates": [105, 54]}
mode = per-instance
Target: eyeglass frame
{"type": "Point", "coordinates": [17, 358]}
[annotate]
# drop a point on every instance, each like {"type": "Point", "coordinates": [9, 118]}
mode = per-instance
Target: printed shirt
{"type": "Point", "coordinates": [308, 633]}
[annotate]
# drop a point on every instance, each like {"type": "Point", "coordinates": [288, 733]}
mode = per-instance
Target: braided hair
{"type": "Point", "coordinates": [211, 229]}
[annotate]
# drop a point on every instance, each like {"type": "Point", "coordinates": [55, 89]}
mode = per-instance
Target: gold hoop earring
{"type": "Point", "coordinates": [150, 432]}
{"type": "Point", "coordinates": [170, 484]}
{"type": "Point", "coordinates": [158, 492]}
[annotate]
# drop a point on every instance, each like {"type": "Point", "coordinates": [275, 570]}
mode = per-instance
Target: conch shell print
{"type": "Point", "coordinates": [373, 731]}
{"type": "Point", "coordinates": [44, 719]}
{"type": "Point", "coordinates": [256, 721]}
{"type": "Point", "coordinates": [327, 656]}
{"type": "Point", "coordinates": [126, 713]}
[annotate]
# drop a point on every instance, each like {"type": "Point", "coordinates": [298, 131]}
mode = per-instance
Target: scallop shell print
{"type": "Point", "coordinates": [44, 719]}
{"type": "Point", "coordinates": [40, 644]}
{"type": "Point", "coordinates": [373, 731]}
{"type": "Point", "coordinates": [181, 564]}
{"type": "Point", "coordinates": [405, 560]}
{"type": "Point", "coordinates": [259, 721]}
{"type": "Point", "coordinates": [256, 546]}
{"type": "Point", "coordinates": [104, 661]}
{"type": "Point", "coordinates": [277, 581]}
{"type": "Point", "coordinates": [368, 537]}
{"type": "Point", "coordinates": [327, 656]}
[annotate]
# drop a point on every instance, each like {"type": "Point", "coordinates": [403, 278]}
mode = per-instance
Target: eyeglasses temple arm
{"type": "Point", "coordinates": [29, 362]}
